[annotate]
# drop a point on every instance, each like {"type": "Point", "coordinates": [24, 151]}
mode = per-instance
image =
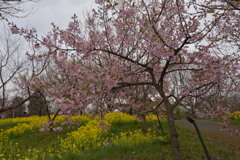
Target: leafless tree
{"type": "Point", "coordinates": [10, 64]}
{"type": "Point", "coordinates": [15, 67]}
{"type": "Point", "coordinates": [13, 7]}
{"type": "Point", "coordinates": [17, 112]}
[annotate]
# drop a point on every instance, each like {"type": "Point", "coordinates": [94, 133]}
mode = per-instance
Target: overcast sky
{"type": "Point", "coordinates": [45, 12]}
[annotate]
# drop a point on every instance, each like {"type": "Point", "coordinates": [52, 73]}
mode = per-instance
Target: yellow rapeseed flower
{"type": "Point", "coordinates": [113, 117]}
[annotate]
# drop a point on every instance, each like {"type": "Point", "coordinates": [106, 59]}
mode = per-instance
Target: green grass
{"type": "Point", "coordinates": [141, 152]}
{"type": "Point", "coordinates": [10, 125]}
{"type": "Point", "coordinates": [159, 150]}
{"type": "Point", "coordinates": [190, 146]}
{"type": "Point", "coordinates": [38, 139]}
{"type": "Point", "coordinates": [235, 121]}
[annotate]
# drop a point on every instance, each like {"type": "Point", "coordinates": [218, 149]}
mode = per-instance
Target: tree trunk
{"type": "Point", "coordinates": [173, 135]}
{"type": "Point", "coordinates": [13, 115]}
{"type": "Point", "coordinates": [40, 111]}
{"type": "Point", "coordinates": [143, 121]}
{"type": "Point", "coordinates": [131, 111]}
{"type": "Point", "coordinates": [159, 122]}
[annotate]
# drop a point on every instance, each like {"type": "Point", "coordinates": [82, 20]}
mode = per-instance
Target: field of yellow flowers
{"type": "Point", "coordinates": [86, 134]}
{"type": "Point", "coordinates": [115, 136]}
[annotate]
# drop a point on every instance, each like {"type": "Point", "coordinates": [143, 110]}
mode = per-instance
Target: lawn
{"type": "Point", "coordinates": [117, 136]}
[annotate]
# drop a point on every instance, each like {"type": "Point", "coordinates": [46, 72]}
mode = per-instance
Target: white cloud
{"type": "Point", "coordinates": [45, 12]}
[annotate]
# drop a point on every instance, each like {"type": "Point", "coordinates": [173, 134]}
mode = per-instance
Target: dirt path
{"type": "Point", "coordinates": [214, 132]}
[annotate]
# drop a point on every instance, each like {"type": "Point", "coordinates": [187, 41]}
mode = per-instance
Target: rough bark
{"type": "Point", "coordinates": [173, 134]}
{"type": "Point", "coordinates": [142, 118]}
{"type": "Point", "coordinates": [159, 122]}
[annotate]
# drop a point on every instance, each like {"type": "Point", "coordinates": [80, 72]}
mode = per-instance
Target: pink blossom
{"type": "Point", "coordinates": [106, 143]}
{"type": "Point", "coordinates": [129, 12]}
{"type": "Point", "coordinates": [14, 29]}
{"type": "Point", "coordinates": [58, 129]}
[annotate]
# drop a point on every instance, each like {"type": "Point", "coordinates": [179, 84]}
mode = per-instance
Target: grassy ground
{"type": "Point", "coordinates": [189, 142]}
{"type": "Point", "coordinates": [236, 122]}
{"type": "Point", "coordinates": [154, 150]}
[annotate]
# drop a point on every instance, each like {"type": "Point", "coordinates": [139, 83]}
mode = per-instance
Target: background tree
{"type": "Point", "coordinates": [10, 64]}
{"type": "Point", "coordinates": [20, 111]}
{"type": "Point", "coordinates": [37, 106]}
{"type": "Point", "coordinates": [12, 8]}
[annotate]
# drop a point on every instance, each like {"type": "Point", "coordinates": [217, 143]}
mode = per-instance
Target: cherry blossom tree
{"type": "Point", "coordinates": [160, 39]}
{"type": "Point", "coordinates": [133, 43]}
